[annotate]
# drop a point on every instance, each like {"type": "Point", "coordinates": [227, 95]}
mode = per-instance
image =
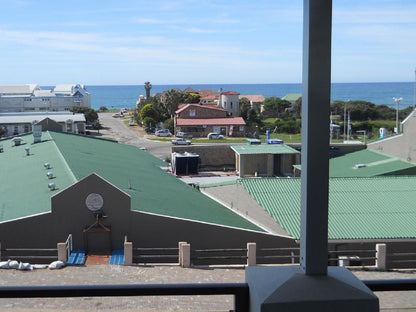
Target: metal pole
{"type": "Point", "coordinates": [397, 100]}
{"type": "Point", "coordinates": [316, 85]}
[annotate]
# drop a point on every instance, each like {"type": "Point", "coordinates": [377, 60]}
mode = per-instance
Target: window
{"type": "Point", "coordinates": [192, 113]}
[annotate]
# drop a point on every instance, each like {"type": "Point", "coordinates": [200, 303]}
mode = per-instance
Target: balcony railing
{"type": "Point", "coordinates": [240, 291]}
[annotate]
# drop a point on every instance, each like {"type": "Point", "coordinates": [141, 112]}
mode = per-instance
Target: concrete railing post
{"type": "Point", "coordinates": [128, 253]}
{"type": "Point", "coordinates": [185, 255]}
{"type": "Point", "coordinates": [251, 254]}
{"type": "Point", "coordinates": [180, 252]}
{"type": "Point", "coordinates": [381, 256]}
{"type": "Point", "coordinates": [62, 254]}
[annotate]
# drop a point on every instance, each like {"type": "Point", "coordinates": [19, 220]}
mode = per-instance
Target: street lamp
{"type": "Point", "coordinates": [397, 100]}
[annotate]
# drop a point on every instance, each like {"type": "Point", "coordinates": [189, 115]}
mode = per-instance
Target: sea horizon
{"type": "Point", "coordinates": [379, 93]}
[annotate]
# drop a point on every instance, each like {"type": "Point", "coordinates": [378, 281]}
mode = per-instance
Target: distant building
{"type": "Point", "coordinates": [229, 100]}
{"type": "Point", "coordinates": [199, 120]}
{"type": "Point", "coordinates": [18, 123]}
{"type": "Point", "coordinates": [256, 101]}
{"type": "Point", "coordinates": [31, 98]}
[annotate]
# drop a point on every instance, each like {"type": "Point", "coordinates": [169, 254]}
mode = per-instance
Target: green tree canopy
{"type": "Point", "coordinates": [275, 107]}
{"type": "Point", "coordinates": [90, 114]}
{"type": "Point", "coordinates": [171, 101]}
{"type": "Point", "coordinates": [192, 98]}
{"type": "Point", "coordinates": [149, 111]}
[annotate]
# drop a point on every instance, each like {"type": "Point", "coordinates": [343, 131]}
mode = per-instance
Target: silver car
{"type": "Point", "coordinates": [181, 141]}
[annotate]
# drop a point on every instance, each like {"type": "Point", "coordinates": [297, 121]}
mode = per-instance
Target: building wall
{"type": "Point", "coordinates": [198, 111]}
{"type": "Point", "coordinates": [69, 215]}
{"type": "Point", "coordinates": [212, 157]}
{"type": "Point", "coordinates": [403, 145]}
{"type": "Point", "coordinates": [231, 103]}
{"type": "Point", "coordinates": [28, 103]}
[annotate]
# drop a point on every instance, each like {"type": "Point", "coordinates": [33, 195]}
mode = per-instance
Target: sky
{"type": "Point", "coordinates": [198, 41]}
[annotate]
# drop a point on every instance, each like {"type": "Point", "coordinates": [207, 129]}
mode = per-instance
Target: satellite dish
{"type": "Point", "coordinates": [94, 202]}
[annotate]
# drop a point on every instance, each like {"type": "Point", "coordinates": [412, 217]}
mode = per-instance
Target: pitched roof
{"type": "Point", "coordinates": [235, 121]}
{"type": "Point", "coordinates": [199, 106]}
{"type": "Point", "coordinates": [253, 98]}
{"type": "Point", "coordinates": [291, 97]}
{"type": "Point", "coordinates": [359, 208]}
{"type": "Point", "coordinates": [190, 90]}
{"type": "Point", "coordinates": [73, 157]}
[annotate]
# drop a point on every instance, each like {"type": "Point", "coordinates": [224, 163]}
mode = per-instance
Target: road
{"type": "Point", "coordinates": [116, 129]}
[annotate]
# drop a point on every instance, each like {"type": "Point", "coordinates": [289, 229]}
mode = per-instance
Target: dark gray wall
{"type": "Point", "coordinates": [70, 215]}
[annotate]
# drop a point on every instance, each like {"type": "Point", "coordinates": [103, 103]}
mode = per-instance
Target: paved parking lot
{"type": "Point", "coordinates": [160, 274]}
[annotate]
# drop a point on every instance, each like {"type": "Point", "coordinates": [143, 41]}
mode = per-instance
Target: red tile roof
{"type": "Point", "coordinates": [235, 121]}
{"type": "Point", "coordinates": [258, 98]}
{"type": "Point", "coordinates": [206, 106]}
{"type": "Point", "coordinates": [230, 93]}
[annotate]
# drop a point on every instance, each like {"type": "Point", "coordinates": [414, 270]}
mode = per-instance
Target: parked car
{"type": "Point", "coordinates": [181, 134]}
{"type": "Point", "coordinates": [181, 141]}
{"type": "Point", "coordinates": [215, 136]}
{"type": "Point", "coordinates": [117, 115]}
{"type": "Point", "coordinates": [131, 123]}
{"type": "Point", "coordinates": [150, 129]}
{"type": "Point", "coordinates": [163, 133]}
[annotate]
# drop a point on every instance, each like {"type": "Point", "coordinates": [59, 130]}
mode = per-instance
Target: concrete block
{"type": "Point", "coordinates": [381, 255]}
{"type": "Point", "coordinates": [62, 253]}
{"type": "Point", "coordinates": [186, 255]}
{"type": "Point", "coordinates": [128, 253]}
{"type": "Point", "coordinates": [288, 288]}
{"type": "Point", "coordinates": [251, 254]}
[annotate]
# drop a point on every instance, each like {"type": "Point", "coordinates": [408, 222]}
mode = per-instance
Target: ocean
{"type": "Point", "coordinates": [115, 97]}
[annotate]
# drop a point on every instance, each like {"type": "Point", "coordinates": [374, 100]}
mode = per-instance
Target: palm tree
{"type": "Point", "coordinates": [147, 87]}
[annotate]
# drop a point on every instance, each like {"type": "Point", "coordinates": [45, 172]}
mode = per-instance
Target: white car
{"type": "Point", "coordinates": [163, 133]}
{"type": "Point", "coordinates": [181, 141]}
{"type": "Point", "coordinates": [215, 136]}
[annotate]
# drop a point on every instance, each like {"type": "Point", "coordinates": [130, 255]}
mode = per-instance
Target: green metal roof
{"type": "Point", "coordinates": [24, 185]}
{"type": "Point", "coordinates": [369, 163]}
{"type": "Point", "coordinates": [292, 97]}
{"type": "Point", "coordinates": [359, 208]}
{"type": "Point", "coordinates": [264, 149]}
{"type": "Point", "coordinates": [74, 157]}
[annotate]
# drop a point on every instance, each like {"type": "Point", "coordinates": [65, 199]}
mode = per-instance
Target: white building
{"type": "Point", "coordinates": [18, 123]}
{"type": "Point", "coordinates": [229, 100]}
{"type": "Point", "coordinates": [31, 98]}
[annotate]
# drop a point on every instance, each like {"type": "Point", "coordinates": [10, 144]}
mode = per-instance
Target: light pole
{"type": "Point", "coordinates": [397, 100]}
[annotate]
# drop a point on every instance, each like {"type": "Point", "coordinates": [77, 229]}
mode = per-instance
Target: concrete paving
{"type": "Point", "coordinates": [160, 274]}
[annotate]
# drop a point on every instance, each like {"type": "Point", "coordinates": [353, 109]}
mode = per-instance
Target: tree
{"type": "Point", "coordinates": [297, 108]}
{"type": "Point", "coordinates": [149, 111]}
{"type": "Point", "coordinates": [275, 107]}
{"type": "Point", "coordinates": [171, 101]}
{"type": "Point", "coordinates": [192, 98]}
{"type": "Point", "coordinates": [245, 106]}
{"type": "Point", "coordinates": [90, 114]}
{"type": "Point", "coordinates": [147, 87]}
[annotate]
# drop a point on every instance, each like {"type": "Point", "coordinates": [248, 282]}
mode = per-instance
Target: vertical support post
{"type": "Point", "coordinates": [128, 253]}
{"type": "Point", "coordinates": [62, 254]}
{"type": "Point", "coordinates": [316, 93]}
{"type": "Point", "coordinates": [186, 255]}
{"type": "Point", "coordinates": [180, 252]}
{"type": "Point", "coordinates": [251, 254]}
{"type": "Point", "coordinates": [381, 255]}
{"type": "Point", "coordinates": [0, 251]}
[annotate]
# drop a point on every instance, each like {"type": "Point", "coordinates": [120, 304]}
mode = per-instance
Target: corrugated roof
{"type": "Point", "coordinates": [10, 118]}
{"type": "Point", "coordinates": [369, 163]}
{"type": "Point", "coordinates": [359, 208]}
{"type": "Point", "coordinates": [24, 188]}
{"type": "Point", "coordinates": [24, 185]}
{"type": "Point", "coordinates": [264, 149]}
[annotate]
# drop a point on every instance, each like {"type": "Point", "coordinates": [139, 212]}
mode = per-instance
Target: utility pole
{"type": "Point", "coordinates": [397, 100]}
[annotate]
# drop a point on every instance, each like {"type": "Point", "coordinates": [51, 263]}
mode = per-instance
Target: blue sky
{"type": "Point", "coordinates": [198, 41]}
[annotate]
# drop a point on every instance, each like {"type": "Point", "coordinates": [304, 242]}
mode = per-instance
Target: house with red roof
{"type": "Point", "coordinates": [199, 120]}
